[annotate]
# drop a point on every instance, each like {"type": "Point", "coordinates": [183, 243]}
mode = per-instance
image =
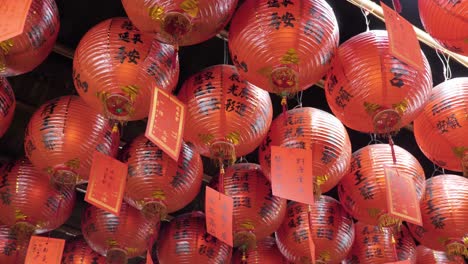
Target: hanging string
{"type": "Point", "coordinates": [445, 60]}
{"type": "Point", "coordinates": [226, 52]}
{"type": "Point", "coordinates": [299, 99]}
{"type": "Point", "coordinates": [242, 159]}
{"type": "Point", "coordinates": [366, 13]}
{"type": "Point", "coordinates": [437, 169]}
{"type": "Point", "coordinates": [374, 139]}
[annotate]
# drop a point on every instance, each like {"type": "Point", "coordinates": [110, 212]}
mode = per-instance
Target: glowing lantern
{"type": "Point", "coordinates": [331, 228]}
{"type": "Point", "coordinates": [26, 51]}
{"type": "Point", "coordinates": [315, 130]}
{"type": "Point", "coordinates": [283, 46]}
{"type": "Point", "coordinates": [116, 68]}
{"type": "Point", "coordinates": [78, 252]}
{"type": "Point", "coordinates": [362, 190]}
{"type": "Point", "coordinates": [156, 183]}
{"type": "Point", "coordinates": [8, 105]}
{"type": "Point", "coordinates": [426, 255]}
{"type": "Point", "coordinates": [444, 209]}
{"type": "Point", "coordinates": [265, 252]}
{"type": "Point", "coordinates": [441, 130]}
{"type": "Point", "coordinates": [180, 22]}
{"type": "Point", "coordinates": [62, 135]}
{"type": "Point", "coordinates": [185, 241]}
{"type": "Point", "coordinates": [370, 90]}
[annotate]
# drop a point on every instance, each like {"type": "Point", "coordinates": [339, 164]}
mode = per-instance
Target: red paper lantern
{"type": "Point", "coordinates": [441, 130]}
{"type": "Point", "coordinates": [62, 136]}
{"type": "Point", "coordinates": [156, 183]}
{"type": "Point", "coordinates": [281, 46]}
{"type": "Point", "coordinates": [118, 237]}
{"type": "Point", "coordinates": [8, 105]}
{"type": "Point", "coordinates": [331, 228]}
{"type": "Point", "coordinates": [185, 240]}
{"type": "Point", "coordinates": [78, 252]}
{"type": "Point", "coordinates": [315, 130]}
{"type": "Point", "coordinates": [12, 251]}
{"type": "Point", "coordinates": [377, 245]}
{"type": "Point", "coordinates": [29, 203]}
{"type": "Point", "coordinates": [446, 21]}
{"type": "Point", "coordinates": [362, 190]}
{"type": "Point", "coordinates": [444, 210]}
{"type": "Point", "coordinates": [426, 255]}
{"type": "Point", "coordinates": [370, 90]}
{"type": "Point", "coordinates": [226, 116]}
{"type": "Point", "coordinates": [116, 68]}
{"type": "Point", "coordinates": [266, 251]}
{"type": "Point", "coordinates": [180, 22]}
{"type": "Point", "coordinates": [26, 51]}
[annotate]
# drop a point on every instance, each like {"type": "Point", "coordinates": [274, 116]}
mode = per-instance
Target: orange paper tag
{"type": "Point", "coordinates": [166, 123]}
{"type": "Point", "coordinates": [44, 250]}
{"type": "Point", "coordinates": [107, 181]}
{"type": "Point", "coordinates": [218, 208]}
{"type": "Point", "coordinates": [149, 260]}
{"type": "Point", "coordinates": [402, 38]}
{"type": "Point", "coordinates": [311, 241]}
{"type": "Point", "coordinates": [402, 201]}
{"type": "Point", "coordinates": [399, 262]}
{"type": "Point", "coordinates": [13, 15]}
{"type": "Point", "coordinates": [291, 174]}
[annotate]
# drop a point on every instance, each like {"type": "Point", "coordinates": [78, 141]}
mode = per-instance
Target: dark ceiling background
{"type": "Point", "coordinates": [53, 78]}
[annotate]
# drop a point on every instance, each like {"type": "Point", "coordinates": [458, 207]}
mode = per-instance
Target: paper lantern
{"type": "Point", "coordinates": [331, 228]}
{"type": "Point", "coordinates": [370, 90]}
{"type": "Point", "coordinates": [157, 184]}
{"type": "Point", "coordinates": [441, 130]}
{"type": "Point", "coordinates": [180, 22]}
{"type": "Point", "coordinates": [226, 116]}
{"type": "Point", "coordinates": [266, 251]}
{"type": "Point", "coordinates": [62, 136]}
{"type": "Point", "coordinates": [444, 210]}
{"type": "Point", "coordinates": [283, 46]}
{"type": "Point", "coordinates": [78, 252]}
{"type": "Point", "coordinates": [116, 68]}
{"type": "Point", "coordinates": [315, 130]}
{"type": "Point", "coordinates": [118, 237]}
{"type": "Point", "coordinates": [362, 190]}
{"type": "Point", "coordinates": [29, 203]}
{"type": "Point", "coordinates": [438, 16]}
{"type": "Point", "coordinates": [12, 251]}
{"type": "Point", "coordinates": [426, 255]}
{"type": "Point", "coordinates": [376, 245]}
{"type": "Point", "coordinates": [27, 50]}
{"type": "Point", "coordinates": [186, 241]}
{"type": "Point", "coordinates": [7, 105]}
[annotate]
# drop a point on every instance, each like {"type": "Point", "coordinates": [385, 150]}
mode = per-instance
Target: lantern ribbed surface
{"type": "Point", "coordinates": [77, 251]}
{"type": "Point", "coordinates": [256, 212]}
{"type": "Point", "coordinates": [28, 199]}
{"type": "Point", "coordinates": [283, 46]}
{"type": "Point", "coordinates": [118, 237]}
{"type": "Point", "coordinates": [441, 130]}
{"type": "Point", "coordinates": [12, 251]}
{"type": "Point", "coordinates": [63, 134]}
{"type": "Point", "coordinates": [425, 255]}
{"type": "Point", "coordinates": [116, 68]}
{"type": "Point", "coordinates": [315, 130]}
{"type": "Point", "coordinates": [185, 241]}
{"type": "Point", "coordinates": [26, 51]}
{"type": "Point", "coordinates": [265, 251]}
{"type": "Point", "coordinates": [7, 105]}
{"type": "Point", "coordinates": [156, 180]}
{"type": "Point", "coordinates": [444, 210]}
{"type": "Point", "coordinates": [331, 228]}
{"type": "Point", "coordinates": [226, 116]}
{"type": "Point", "coordinates": [362, 190]}
{"type": "Point", "coordinates": [375, 245]}
{"type": "Point", "coordinates": [370, 90]}
{"type": "Point", "coordinates": [180, 22]}
{"type": "Point", "coordinates": [438, 16]}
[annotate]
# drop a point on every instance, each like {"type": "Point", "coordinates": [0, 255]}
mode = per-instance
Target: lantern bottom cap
{"type": "Point", "coordinates": [245, 239]}
{"type": "Point", "coordinates": [386, 121]}
{"type": "Point", "coordinates": [223, 151]}
{"type": "Point", "coordinates": [118, 106]}
{"type": "Point", "coordinates": [116, 256]}
{"type": "Point", "coordinates": [387, 220]}
{"type": "Point", "coordinates": [457, 248]}
{"type": "Point", "coordinates": [65, 177]}
{"type": "Point", "coordinates": [176, 25]}
{"type": "Point", "coordinates": [23, 231]}
{"type": "Point", "coordinates": [284, 81]}
{"type": "Point", "coordinates": [155, 210]}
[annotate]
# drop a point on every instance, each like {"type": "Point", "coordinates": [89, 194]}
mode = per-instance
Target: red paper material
{"type": "Point", "coordinates": [311, 241]}
{"type": "Point", "coordinates": [149, 260]}
{"type": "Point", "coordinates": [107, 181]}
{"type": "Point", "coordinates": [403, 41]}
{"type": "Point", "coordinates": [13, 15]}
{"type": "Point", "coordinates": [218, 208]}
{"type": "Point", "coordinates": [400, 262]}
{"type": "Point", "coordinates": [44, 250]}
{"type": "Point", "coordinates": [291, 174]}
{"type": "Point", "coordinates": [166, 123]}
{"type": "Point", "coordinates": [402, 201]}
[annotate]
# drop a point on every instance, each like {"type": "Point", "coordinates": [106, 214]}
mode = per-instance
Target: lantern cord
{"type": "Point", "coordinates": [226, 53]}
{"type": "Point", "coordinates": [366, 13]}
{"type": "Point", "coordinates": [174, 56]}
{"type": "Point", "coordinates": [397, 5]}
{"type": "Point", "coordinates": [244, 256]}
{"type": "Point", "coordinates": [299, 99]}
{"type": "Point", "coordinates": [395, 254]}
{"type": "Point", "coordinates": [390, 142]}
{"type": "Point", "coordinates": [445, 60]}
{"type": "Point", "coordinates": [284, 105]}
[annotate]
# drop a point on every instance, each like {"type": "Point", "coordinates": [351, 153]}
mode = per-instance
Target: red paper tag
{"type": "Point", "coordinates": [311, 241]}
{"type": "Point", "coordinates": [107, 181]}
{"type": "Point", "coordinates": [402, 38]}
{"type": "Point", "coordinates": [218, 208]}
{"type": "Point", "coordinates": [44, 250]}
{"type": "Point", "coordinates": [13, 17]}
{"type": "Point", "coordinates": [166, 123]}
{"type": "Point", "coordinates": [402, 201]}
{"type": "Point", "coordinates": [399, 262]}
{"type": "Point", "coordinates": [291, 174]}
{"type": "Point", "coordinates": [149, 260]}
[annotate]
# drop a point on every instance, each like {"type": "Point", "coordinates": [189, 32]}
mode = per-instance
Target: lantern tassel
{"type": "Point", "coordinates": [174, 56]}
{"type": "Point", "coordinates": [284, 105]}
{"type": "Point", "coordinates": [390, 142]}
{"type": "Point", "coordinates": [244, 256]}
{"type": "Point", "coordinates": [221, 176]}
{"type": "Point", "coordinates": [395, 254]}
{"type": "Point", "coordinates": [115, 139]}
